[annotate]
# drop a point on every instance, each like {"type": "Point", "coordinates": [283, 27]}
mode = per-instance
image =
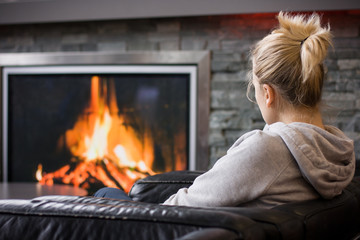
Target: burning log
{"type": "Point", "coordinates": [93, 175]}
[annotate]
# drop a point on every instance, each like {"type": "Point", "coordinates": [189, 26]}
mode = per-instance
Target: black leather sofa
{"type": "Point", "coordinates": [71, 217]}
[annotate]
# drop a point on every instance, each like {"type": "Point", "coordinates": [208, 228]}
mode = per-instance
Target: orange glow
{"type": "Point", "coordinates": [38, 173]}
{"type": "Point", "coordinates": [105, 148]}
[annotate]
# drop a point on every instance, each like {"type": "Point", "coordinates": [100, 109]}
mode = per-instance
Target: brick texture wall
{"type": "Point", "coordinates": [229, 39]}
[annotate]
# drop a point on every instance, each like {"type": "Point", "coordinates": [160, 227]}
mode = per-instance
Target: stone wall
{"type": "Point", "coordinates": [229, 38]}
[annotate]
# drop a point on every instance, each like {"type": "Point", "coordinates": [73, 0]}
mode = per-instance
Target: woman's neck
{"type": "Point", "coordinates": [301, 114]}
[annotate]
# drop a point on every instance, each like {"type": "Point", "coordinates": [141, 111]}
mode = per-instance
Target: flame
{"type": "Point", "coordinates": [38, 173]}
{"type": "Point", "coordinates": [96, 144]}
{"type": "Point", "coordinates": [105, 147]}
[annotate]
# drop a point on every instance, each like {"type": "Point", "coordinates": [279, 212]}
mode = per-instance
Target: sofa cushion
{"type": "Point", "coordinates": [158, 188]}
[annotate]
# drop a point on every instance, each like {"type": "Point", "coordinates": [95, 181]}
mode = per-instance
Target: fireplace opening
{"type": "Point", "coordinates": [94, 126]}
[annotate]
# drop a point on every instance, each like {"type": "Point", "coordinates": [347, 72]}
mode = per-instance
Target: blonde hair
{"type": "Point", "coordinates": [291, 58]}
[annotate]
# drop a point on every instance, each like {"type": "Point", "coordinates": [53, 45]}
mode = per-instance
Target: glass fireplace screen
{"type": "Point", "coordinates": [94, 126]}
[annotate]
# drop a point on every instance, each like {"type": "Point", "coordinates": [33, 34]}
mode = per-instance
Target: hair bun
{"type": "Point", "coordinates": [301, 43]}
{"type": "Point", "coordinates": [298, 47]}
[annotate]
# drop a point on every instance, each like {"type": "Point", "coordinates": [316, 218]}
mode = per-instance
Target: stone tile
{"type": "Point", "coordinates": [74, 39]}
{"type": "Point", "coordinates": [139, 45]}
{"type": "Point", "coordinates": [168, 26]}
{"type": "Point", "coordinates": [240, 76]}
{"type": "Point", "coordinates": [169, 45]}
{"type": "Point", "coordinates": [346, 64]}
{"type": "Point", "coordinates": [193, 44]}
{"type": "Point", "coordinates": [111, 46]}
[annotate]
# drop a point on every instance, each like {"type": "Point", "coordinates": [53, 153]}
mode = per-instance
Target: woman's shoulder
{"type": "Point", "coordinates": [258, 139]}
{"type": "Point", "coordinates": [259, 148]}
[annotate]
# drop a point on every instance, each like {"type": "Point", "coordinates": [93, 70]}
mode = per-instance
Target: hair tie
{"type": "Point", "coordinates": [301, 43]}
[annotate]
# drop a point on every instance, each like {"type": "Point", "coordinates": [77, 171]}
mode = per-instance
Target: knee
{"type": "Point", "coordinates": [114, 193]}
{"type": "Point", "coordinates": [104, 192]}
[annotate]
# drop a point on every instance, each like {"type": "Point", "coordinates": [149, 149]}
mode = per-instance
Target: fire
{"type": "Point", "coordinates": [105, 149]}
{"type": "Point", "coordinates": [38, 174]}
{"type": "Point", "coordinates": [96, 144]}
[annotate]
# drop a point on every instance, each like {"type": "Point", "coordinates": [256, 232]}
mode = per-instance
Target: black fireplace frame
{"type": "Point", "coordinates": [198, 59]}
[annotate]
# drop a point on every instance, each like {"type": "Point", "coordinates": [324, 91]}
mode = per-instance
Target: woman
{"type": "Point", "coordinates": [295, 157]}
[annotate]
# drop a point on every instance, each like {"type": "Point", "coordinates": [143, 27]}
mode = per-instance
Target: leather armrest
{"type": "Point", "coordinates": [276, 224]}
{"type": "Point", "coordinates": [337, 218]}
{"type": "Point", "coordinates": [72, 217]}
{"type": "Point", "coordinates": [158, 188]}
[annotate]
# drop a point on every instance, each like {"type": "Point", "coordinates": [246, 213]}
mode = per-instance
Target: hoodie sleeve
{"type": "Point", "coordinates": [242, 175]}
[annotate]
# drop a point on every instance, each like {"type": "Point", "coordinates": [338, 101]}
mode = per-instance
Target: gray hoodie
{"type": "Point", "coordinates": [280, 164]}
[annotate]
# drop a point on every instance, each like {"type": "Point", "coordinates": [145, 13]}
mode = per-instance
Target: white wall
{"type": "Point", "coordinates": [37, 11]}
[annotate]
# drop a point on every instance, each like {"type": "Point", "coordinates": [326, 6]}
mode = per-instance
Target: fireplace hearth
{"type": "Point", "coordinates": [97, 119]}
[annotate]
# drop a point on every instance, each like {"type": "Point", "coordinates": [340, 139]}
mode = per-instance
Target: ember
{"type": "Point", "coordinates": [106, 151]}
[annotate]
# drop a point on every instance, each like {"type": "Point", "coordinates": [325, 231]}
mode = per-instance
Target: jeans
{"type": "Point", "coordinates": [115, 193]}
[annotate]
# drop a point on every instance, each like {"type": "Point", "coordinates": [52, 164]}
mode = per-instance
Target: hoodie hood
{"type": "Point", "coordinates": [326, 158]}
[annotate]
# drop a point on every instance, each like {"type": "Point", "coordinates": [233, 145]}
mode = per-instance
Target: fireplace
{"type": "Point", "coordinates": [102, 119]}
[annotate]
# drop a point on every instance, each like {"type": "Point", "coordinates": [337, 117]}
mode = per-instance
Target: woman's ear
{"type": "Point", "coordinates": [269, 95]}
